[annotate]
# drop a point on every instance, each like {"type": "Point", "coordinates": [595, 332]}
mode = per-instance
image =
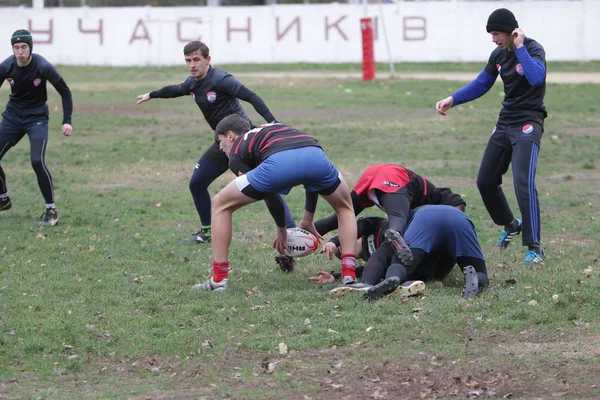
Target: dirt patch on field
{"type": "Point", "coordinates": [503, 365]}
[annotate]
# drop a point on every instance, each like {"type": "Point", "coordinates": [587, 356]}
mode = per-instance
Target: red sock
{"type": "Point", "coordinates": [348, 265]}
{"type": "Point", "coordinates": [220, 271]}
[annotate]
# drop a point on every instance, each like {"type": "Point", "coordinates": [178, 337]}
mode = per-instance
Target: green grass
{"type": "Point", "coordinates": [100, 306]}
{"type": "Point", "coordinates": [133, 74]}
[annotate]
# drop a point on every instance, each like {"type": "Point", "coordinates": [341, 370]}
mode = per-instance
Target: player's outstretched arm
{"type": "Point", "coordinates": [168, 92]}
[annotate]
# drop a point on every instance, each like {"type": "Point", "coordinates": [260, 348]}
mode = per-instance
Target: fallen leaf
{"type": "Point", "coordinates": [255, 308]}
{"type": "Point", "coordinates": [283, 349]}
{"type": "Point", "coordinates": [369, 329]}
{"type": "Point", "coordinates": [533, 303]}
{"type": "Point", "coordinates": [207, 344]}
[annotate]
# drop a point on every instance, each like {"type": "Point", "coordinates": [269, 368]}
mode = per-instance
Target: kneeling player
{"type": "Point", "coordinates": [270, 160]}
{"type": "Point", "coordinates": [438, 236]}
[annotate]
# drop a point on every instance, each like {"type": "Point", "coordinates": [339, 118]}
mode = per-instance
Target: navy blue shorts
{"type": "Point", "coordinates": [437, 227]}
{"type": "Point", "coordinates": [16, 122]}
{"type": "Point", "coordinates": [280, 172]}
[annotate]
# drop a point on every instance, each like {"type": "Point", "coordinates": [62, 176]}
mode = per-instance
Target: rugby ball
{"type": "Point", "coordinates": [300, 243]}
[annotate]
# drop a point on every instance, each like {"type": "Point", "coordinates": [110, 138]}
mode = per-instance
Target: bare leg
{"type": "Point", "coordinates": [342, 204]}
{"type": "Point", "coordinates": [224, 204]}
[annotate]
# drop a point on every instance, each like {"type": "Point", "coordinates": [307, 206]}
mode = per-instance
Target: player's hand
{"type": "Point", "coordinates": [310, 226]}
{"type": "Point", "coordinates": [518, 37]}
{"type": "Point", "coordinates": [280, 240]}
{"type": "Point", "coordinates": [67, 129]}
{"type": "Point", "coordinates": [329, 250]}
{"type": "Point", "coordinates": [322, 278]}
{"type": "Point", "coordinates": [443, 106]}
{"type": "Point", "coordinates": [143, 98]}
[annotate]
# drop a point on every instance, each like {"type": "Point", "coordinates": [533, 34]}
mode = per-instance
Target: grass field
{"type": "Point", "coordinates": [100, 306]}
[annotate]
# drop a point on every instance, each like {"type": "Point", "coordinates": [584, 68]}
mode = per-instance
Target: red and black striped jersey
{"type": "Point", "coordinates": [253, 147]}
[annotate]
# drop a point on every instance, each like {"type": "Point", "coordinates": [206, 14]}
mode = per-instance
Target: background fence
{"type": "Point", "coordinates": [424, 31]}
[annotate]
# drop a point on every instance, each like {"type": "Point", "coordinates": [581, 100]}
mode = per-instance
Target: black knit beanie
{"type": "Point", "coordinates": [501, 20]}
{"type": "Point", "coordinates": [22, 36]}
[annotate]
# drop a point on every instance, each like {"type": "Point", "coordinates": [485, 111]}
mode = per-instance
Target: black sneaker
{"type": "Point", "coordinates": [471, 286]}
{"type": "Point", "coordinates": [384, 287]}
{"type": "Point", "coordinates": [286, 263]}
{"type": "Point", "coordinates": [49, 218]}
{"type": "Point", "coordinates": [5, 204]}
{"type": "Point", "coordinates": [198, 237]}
{"type": "Point", "coordinates": [403, 252]}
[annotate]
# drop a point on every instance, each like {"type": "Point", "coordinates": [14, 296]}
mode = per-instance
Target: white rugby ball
{"type": "Point", "coordinates": [300, 243]}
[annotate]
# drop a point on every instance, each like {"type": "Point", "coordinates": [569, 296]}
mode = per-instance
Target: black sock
{"type": "Point", "coordinates": [512, 226]}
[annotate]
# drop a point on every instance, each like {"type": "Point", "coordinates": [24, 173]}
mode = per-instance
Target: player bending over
{"type": "Point", "coordinates": [270, 160]}
{"type": "Point", "coordinates": [395, 190]}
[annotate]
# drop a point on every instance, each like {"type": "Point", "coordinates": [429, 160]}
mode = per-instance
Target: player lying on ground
{"type": "Point", "coordinates": [439, 237]}
{"type": "Point", "coordinates": [395, 190]}
{"type": "Point", "coordinates": [270, 160]}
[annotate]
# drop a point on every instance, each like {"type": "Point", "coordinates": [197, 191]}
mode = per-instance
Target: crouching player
{"type": "Point", "coordinates": [438, 236]}
{"type": "Point", "coordinates": [270, 160]}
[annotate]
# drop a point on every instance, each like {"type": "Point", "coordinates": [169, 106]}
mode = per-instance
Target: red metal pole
{"type": "Point", "coordinates": [368, 66]}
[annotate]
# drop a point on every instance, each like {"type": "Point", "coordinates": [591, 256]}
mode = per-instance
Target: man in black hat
{"type": "Point", "coordinates": [27, 113]}
{"type": "Point", "coordinates": [521, 63]}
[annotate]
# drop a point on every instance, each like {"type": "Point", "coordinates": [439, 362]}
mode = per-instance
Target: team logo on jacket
{"type": "Point", "coordinates": [211, 96]}
{"type": "Point", "coordinates": [499, 68]}
{"type": "Point", "coordinates": [391, 184]}
{"type": "Point", "coordinates": [519, 69]}
{"type": "Point", "coordinates": [36, 82]}
{"type": "Point", "coordinates": [193, 95]}
{"type": "Point", "coordinates": [10, 80]}
{"type": "Point", "coordinates": [527, 129]}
